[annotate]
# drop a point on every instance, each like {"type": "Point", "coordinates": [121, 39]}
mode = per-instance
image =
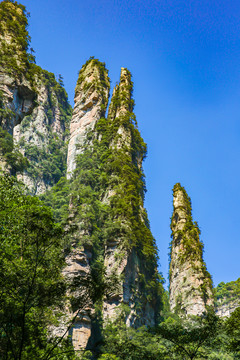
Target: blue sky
{"type": "Point", "coordinates": [185, 60]}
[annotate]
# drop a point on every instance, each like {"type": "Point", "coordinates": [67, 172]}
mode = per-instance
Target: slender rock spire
{"type": "Point", "coordinates": [122, 101]}
{"type": "Point", "coordinates": [190, 283]}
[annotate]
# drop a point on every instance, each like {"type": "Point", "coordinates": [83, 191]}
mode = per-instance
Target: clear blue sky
{"type": "Point", "coordinates": [185, 60]}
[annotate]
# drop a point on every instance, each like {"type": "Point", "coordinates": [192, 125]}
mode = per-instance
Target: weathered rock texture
{"type": "Point", "coordinates": [17, 100]}
{"type": "Point", "coordinates": [109, 226]}
{"type": "Point", "coordinates": [16, 89]}
{"type": "Point", "coordinates": [91, 99]}
{"type": "Point", "coordinates": [227, 297]}
{"type": "Point", "coordinates": [42, 136]}
{"type": "Point", "coordinates": [190, 283]}
{"type": "Point", "coordinates": [33, 106]}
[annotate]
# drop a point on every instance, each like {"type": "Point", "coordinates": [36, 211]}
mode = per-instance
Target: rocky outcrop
{"type": "Point", "coordinates": [121, 263]}
{"type": "Point", "coordinates": [33, 106]}
{"type": "Point", "coordinates": [17, 101]}
{"type": "Point", "coordinates": [190, 283]}
{"type": "Point", "coordinates": [42, 136]}
{"type": "Point", "coordinates": [227, 297]}
{"type": "Point", "coordinates": [16, 87]}
{"type": "Point", "coordinates": [109, 225]}
{"type": "Point", "coordinates": [225, 309]}
{"type": "Point", "coordinates": [91, 99]}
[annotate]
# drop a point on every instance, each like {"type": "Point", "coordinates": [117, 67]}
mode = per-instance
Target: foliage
{"type": "Point", "coordinates": [232, 326]}
{"type": "Point", "coordinates": [5, 114]}
{"type": "Point", "coordinates": [15, 40]}
{"type": "Point", "coordinates": [227, 292]}
{"type": "Point", "coordinates": [47, 155]}
{"type": "Point", "coordinates": [12, 158]}
{"type": "Point", "coordinates": [101, 84]}
{"type": "Point", "coordinates": [191, 335]}
{"type": "Point", "coordinates": [48, 163]}
{"type": "Point", "coordinates": [31, 284]}
{"type": "Point", "coordinates": [58, 199]}
{"type": "Point", "coordinates": [125, 343]}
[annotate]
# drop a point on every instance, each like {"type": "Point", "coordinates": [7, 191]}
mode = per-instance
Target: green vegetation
{"type": "Point", "coordinates": [15, 40]}
{"type": "Point", "coordinates": [11, 158]}
{"type": "Point", "coordinates": [101, 85]}
{"type": "Point", "coordinates": [58, 198]}
{"type": "Point", "coordinates": [193, 337]}
{"type": "Point", "coordinates": [227, 292]}
{"type": "Point", "coordinates": [47, 159]}
{"type": "Point", "coordinates": [107, 195]}
{"type": "Point", "coordinates": [47, 163]}
{"type": "Point", "coordinates": [31, 284]}
{"type": "Point", "coordinates": [5, 114]}
{"type": "Point", "coordinates": [232, 326]}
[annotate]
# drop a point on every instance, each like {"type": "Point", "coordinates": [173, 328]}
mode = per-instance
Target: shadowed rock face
{"type": "Point", "coordinates": [91, 100]}
{"type": "Point", "coordinates": [18, 98]}
{"type": "Point", "coordinates": [190, 283]}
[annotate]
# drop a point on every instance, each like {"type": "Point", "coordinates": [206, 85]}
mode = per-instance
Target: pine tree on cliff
{"type": "Point", "coordinates": [190, 282]}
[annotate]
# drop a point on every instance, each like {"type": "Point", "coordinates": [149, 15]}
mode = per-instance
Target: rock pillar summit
{"type": "Point", "coordinates": [91, 100]}
{"type": "Point", "coordinates": [190, 283]}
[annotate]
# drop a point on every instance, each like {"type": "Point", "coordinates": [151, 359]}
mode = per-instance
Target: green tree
{"type": "Point", "coordinates": [232, 326]}
{"type": "Point", "coordinates": [191, 336]}
{"type": "Point", "coordinates": [31, 284]}
{"type": "Point", "coordinates": [126, 343]}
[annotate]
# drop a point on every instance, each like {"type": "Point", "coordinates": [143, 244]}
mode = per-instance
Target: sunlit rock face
{"type": "Point", "coordinates": [190, 282]}
{"type": "Point", "coordinates": [91, 99]}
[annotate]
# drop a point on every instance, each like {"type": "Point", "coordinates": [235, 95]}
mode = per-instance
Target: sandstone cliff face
{"type": "Point", "coordinates": [108, 221]}
{"type": "Point", "coordinates": [190, 283]}
{"type": "Point", "coordinates": [91, 99]}
{"type": "Point", "coordinates": [42, 136]}
{"type": "Point", "coordinates": [39, 122]}
{"type": "Point", "coordinates": [33, 105]}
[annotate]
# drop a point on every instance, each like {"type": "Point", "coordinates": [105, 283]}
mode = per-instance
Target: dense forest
{"type": "Point", "coordinates": [79, 272]}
